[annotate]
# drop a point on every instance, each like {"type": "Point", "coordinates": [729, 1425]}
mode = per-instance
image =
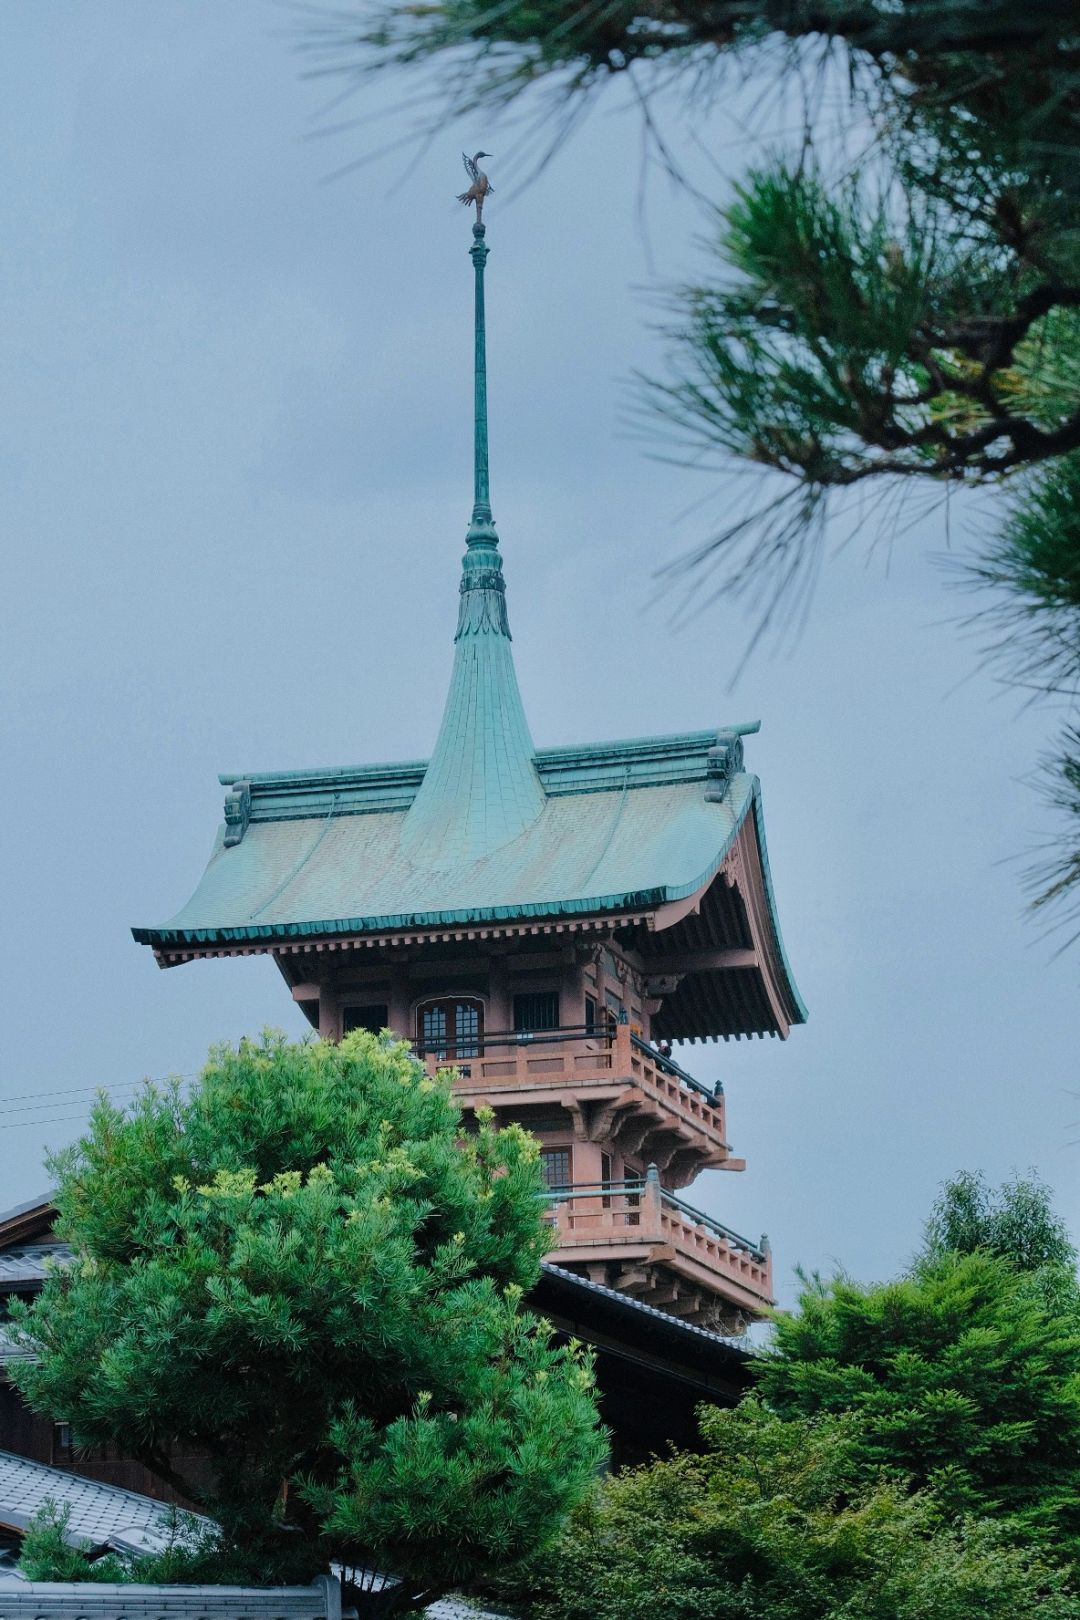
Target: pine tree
{"type": "Point", "coordinates": [296, 1294]}
{"type": "Point", "coordinates": [908, 318]}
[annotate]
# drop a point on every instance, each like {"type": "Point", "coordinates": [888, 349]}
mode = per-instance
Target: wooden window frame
{"type": "Point", "coordinates": [455, 1046]}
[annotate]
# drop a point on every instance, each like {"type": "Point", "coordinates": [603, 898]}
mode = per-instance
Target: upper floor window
{"type": "Point", "coordinates": [450, 1028]}
{"type": "Point", "coordinates": [537, 1010]}
{"type": "Point", "coordinates": [375, 1017]}
{"type": "Point", "coordinates": [555, 1165]}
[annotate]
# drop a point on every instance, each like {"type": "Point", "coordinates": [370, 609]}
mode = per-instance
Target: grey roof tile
{"type": "Point", "coordinates": [99, 1513]}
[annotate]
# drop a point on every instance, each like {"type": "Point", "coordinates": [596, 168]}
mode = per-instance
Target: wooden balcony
{"type": "Point", "coordinates": [616, 1088]}
{"type": "Point", "coordinates": [638, 1237]}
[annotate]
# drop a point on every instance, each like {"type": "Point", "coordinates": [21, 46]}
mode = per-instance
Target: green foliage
{"type": "Point", "coordinates": [907, 313]}
{"type": "Point", "coordinates": [193, 1553]}
{"type": "Point", "coordinates": [46, 1555]}
{"type": "Point", "coordinates": [1016, 1222]}
{"type": "Point", "coordinates": [778, 1522]}
{"type": "Point", "coordinates": [303, 1276]}
{"type": "Point", "coordinates": [914, 1452]}
{"type": "Point", "coordinates": [963, 1377]}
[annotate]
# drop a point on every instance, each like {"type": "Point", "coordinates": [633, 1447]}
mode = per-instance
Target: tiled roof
{"type": "Point", "coordinates": [27, 1266]}
{"type": "Point", "coordinates": [9, 1350]}
{"type": "Point", "coordinates": [725, 1342]}
{"type": "Point", "coordinates": [106, 1515]}
{"type": "Point", "coordinates": [99, 1513]}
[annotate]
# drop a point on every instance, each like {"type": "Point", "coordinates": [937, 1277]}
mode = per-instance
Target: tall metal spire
{"type": "Point", "coordinates": [481, 788]}
{"type": "Point", "coordinates": [482, 525]}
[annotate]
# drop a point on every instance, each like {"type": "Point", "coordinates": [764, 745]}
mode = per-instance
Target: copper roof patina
{"type": "Point", "coordinates": [490, 829]}
{"type": "Point", "coordinates": [323, 854]}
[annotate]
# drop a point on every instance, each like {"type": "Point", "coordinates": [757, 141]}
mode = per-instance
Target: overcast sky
{"type": "Point", "coordinates": [234, 486]}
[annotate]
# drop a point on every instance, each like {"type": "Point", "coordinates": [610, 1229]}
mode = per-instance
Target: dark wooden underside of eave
{"type": "Point", "coordinates": [722, 1002]}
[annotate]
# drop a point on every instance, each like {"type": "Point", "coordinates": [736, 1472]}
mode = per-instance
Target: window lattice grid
{"type": "Point", "coordinates": [536, 1010]}
{"type": "Point", "coordinates": [555, 1164]}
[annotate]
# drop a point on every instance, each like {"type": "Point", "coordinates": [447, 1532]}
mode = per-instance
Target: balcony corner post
{"type": "Point", "coordinates": [623, 1048]}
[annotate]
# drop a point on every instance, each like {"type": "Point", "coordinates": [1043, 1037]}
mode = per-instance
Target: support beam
{"type": "Point", "coordinates": [662, 1298]}
{"type": "Point", "coordinates": [633, 1282]}
{"type": "Point", "coordinates": [700, 962]}
{"type": "Point", "coordinates": [687, 1305]}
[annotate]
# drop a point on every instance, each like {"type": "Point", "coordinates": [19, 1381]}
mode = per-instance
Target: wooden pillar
{"type": "Point", "coordinates": [400, 995]}
{"type": "Point", "coordinates": [500, 1008]}
{"type": "Point", "coordinates": [329, 1013]}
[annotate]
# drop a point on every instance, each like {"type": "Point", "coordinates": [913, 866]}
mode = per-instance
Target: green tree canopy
{"type": "Point", "coordinates": [907, 316]}
{"type": "Point", "coordinates": [965, 1373]}
{"type": "Point", "coordinates": [296, 1294]}
{"type": "Point", "coordinates": [778, 1521]}
{"type": "Point", "coordinates": [1016, 1221]}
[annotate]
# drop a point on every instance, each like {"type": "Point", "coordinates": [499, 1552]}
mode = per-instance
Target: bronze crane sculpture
{"type": "Point", "coordinates": [481, 187]}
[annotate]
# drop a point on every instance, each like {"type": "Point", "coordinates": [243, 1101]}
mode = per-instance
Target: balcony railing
{"type": "Point", "coordinates": [459, 1054]}
{"type": "Point", "coordinates": [638, 1220]}
{"type": "Point", "coordinates": [624, 1198]}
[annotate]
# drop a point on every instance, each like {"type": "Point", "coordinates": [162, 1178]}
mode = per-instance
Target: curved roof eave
{"type": "Point", "coordinates": [625, 901]}
{"type": "Point", "coordinates": [629, 900]}
{"type": "Point", "coordinates": [759, 824]}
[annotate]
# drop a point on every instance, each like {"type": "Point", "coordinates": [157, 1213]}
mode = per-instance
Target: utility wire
{"type": "Point", "coordinates": [70, 1097]}
{"type": "Point", "coordinates": [151, 1079]}
{"type": "Point", "coordinates": [69, 1102]}
{"type": "Point", "coordinates": [65, 1119]}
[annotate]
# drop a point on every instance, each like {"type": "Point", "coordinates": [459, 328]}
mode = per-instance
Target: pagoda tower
{"type": "Point", "coordinates": [546, 922]}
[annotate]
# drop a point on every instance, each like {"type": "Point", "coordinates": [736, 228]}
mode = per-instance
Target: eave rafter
{"type": "Point", "coordinates": [345, 943]}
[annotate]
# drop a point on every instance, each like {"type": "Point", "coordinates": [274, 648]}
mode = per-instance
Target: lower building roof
{"type": "Point", "coordinates": [99, 1515]}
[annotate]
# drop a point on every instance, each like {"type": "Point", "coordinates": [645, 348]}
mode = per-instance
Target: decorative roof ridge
{"type": "Point", "coordinates": [666, 742]}
{"type": "Point", "coordinates": [331, 775]}
{"type": "Point", "coordinates": [548, 759]}
{"type": "Point", "coordinates": [712, 757]}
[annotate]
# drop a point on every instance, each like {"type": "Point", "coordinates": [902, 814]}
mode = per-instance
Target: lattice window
{"type": "Point", "coordinates": [450, 1028]}
{"type": "Point", "coordinates": [537, 1010]}
{"type": "Point", "coordinates": [556, 1166]}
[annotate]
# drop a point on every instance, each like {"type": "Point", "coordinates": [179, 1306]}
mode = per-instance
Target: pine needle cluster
{"type": "Point", "coordinates": [904, 318]}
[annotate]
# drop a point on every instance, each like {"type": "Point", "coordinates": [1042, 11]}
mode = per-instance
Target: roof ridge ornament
{"type": "Point", "coordinates": [481, 788]}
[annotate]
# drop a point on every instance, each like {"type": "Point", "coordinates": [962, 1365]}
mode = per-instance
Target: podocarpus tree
{"type": "Point", "coordinates": [305, 1275]}
{"type": "Point", "coordinates": [964, 1374]}
{"type": "Point", "coordinates": [907, 316]}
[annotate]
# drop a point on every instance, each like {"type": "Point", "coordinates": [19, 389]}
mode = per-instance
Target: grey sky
{"type": "Point", "coordinates": [234, 485]}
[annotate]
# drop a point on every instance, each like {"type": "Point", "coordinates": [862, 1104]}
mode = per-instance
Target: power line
{"type": "Point", "coordinates": [71, 1097]}
{"type": "Point", "coordinates": [150, 1079]}
{"type": "Point", "coordinates": [29, 1108]}
{"type": "Point", "coordinates": [65, 1119]}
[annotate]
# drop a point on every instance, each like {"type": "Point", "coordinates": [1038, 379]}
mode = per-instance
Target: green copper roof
{"type": "Point", "coordinates": [480, 789]}
{"type": "Point", "coordinates": [345, 866]}
{"type": "Point", "coordinates": [490, 829]}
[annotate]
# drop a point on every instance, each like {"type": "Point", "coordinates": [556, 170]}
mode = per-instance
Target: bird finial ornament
{"type": "Point", "coordinates": [481, 187]}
